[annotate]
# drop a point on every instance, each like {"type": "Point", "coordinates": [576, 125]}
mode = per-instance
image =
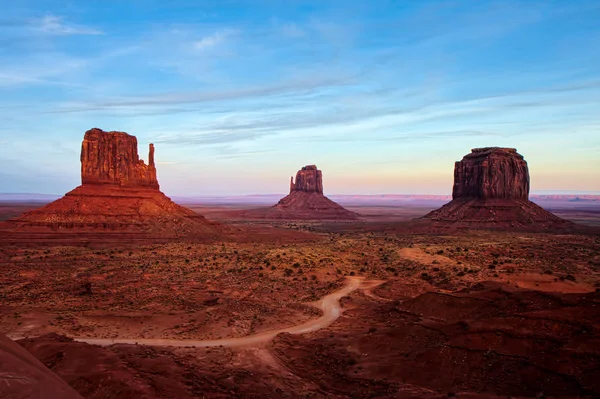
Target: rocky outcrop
{"type": "Point", "coordinates": [22, 376]}
{"type": "Point", "coordinates": [308, 179]}
{"type": "Point", "coordinates": [491, 172]}
{"type": "Point", "coordinates": [305, 201]}
{"type": "Point", "coordinates": [112, 158]}
{"type": "Point", "coordinates": [119, 193]}
{"type": "Point", "coordinates": [491, 190]}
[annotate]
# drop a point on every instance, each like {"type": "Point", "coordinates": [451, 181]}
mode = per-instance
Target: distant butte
{"type": "Point", "coordinates": [118, 192]}
{"type": "Point", "coordinates": [306, 200]}
{"type": "Point", "coordinates": [491, 190]}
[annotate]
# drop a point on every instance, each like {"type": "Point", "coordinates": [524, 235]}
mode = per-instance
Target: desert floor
{"type": "Point", "coordinates": [341, 312]}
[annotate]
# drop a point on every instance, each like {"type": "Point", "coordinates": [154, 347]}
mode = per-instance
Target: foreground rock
{"type": "Point", "coordinates": [22, 376]}
{"type": "Point", "coordinates": [491, 190]}
{"type": "Point", "coordinates": [119, 193]}
{"type": "Point", "coordinates": [305, 201]}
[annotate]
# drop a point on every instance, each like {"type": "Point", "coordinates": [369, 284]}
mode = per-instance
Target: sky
{"type": "Point", "coordinates": [383, 96]}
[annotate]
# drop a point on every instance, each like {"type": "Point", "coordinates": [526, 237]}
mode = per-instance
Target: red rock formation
{"type": "Point", "coordinates": [308, 179]}
{"type": "Point", "coordinates": [491, 172]}
{"type": "Point", "coordinates": [119, 192]}
{"type": "Point", "coordinates": [491, 189]}
{"type": "Point", "coordinates": [112, 158]}
{"type": "Point", "coordinates": [305, 201]}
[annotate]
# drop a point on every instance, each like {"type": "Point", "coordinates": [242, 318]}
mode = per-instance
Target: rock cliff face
{"type": "Point", "coordinates": [491, 172]}
{"type": "Point", "coordinates": [119, 193]}
{"type": "Point", "coordinates": [491, 190]}
{"type": "Point", "coordinates": [112, 158]}
{"type": "Point", "coordinates": [308, 179]}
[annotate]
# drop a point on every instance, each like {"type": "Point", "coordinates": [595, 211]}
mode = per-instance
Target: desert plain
{"type": "Point", "coordinates": [473, 313]}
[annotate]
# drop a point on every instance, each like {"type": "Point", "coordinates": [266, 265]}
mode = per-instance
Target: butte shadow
{"type": "Point", "coordinates": [491, 191]}
{"type": "Point", "coordinates": [305, 201]}
{"type": "Point", "coordinates": [119, 195]}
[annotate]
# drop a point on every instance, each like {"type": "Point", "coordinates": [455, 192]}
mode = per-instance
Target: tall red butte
{"type": "Point", "coordinates": [118, 192]}
{"type": "Point", "coordinates": [306, 200]}
{"type": "Point", "coordinates": [491, 189]}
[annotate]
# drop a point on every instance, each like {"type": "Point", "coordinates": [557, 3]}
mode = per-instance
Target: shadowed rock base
{"type": "Point", "coordinates": [494, 213]}
{"type": "Point", "coordinates": [304, 205]}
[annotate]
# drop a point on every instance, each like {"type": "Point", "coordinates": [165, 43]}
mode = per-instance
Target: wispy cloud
{"type": "Point", "coordinates": [55, 25]}
{"type": "Point", "coordinates": [302, 84]}
{"type": "Point", "coordinates": [211, 41]}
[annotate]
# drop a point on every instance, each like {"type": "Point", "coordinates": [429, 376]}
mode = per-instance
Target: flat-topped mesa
{"type": "Point", "coordinates": [491, 190]}
{"type": "Point", "coordinates": [112, 158]}
{"type": "Point", "coordinates": [491, 172]}
{"type": "Point", "coordinates": [308, 179]}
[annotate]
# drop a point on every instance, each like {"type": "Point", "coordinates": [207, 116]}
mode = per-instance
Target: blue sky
{"type": "Point", "coordinates": [382, 95]}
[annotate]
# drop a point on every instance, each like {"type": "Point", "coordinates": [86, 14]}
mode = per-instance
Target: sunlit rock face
{"type": "Point", "coordinates": [112, 158]}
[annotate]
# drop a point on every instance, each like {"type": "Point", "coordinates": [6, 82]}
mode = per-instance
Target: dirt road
{"type": "Point", "coordinates": [329, 304]}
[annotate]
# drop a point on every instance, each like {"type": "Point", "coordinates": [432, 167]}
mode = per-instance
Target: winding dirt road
{"type": "Point", "coordinates": [329, 304]}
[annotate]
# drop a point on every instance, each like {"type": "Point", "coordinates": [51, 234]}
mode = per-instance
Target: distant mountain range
{"type": "Point", "coordinates": [344, 199]}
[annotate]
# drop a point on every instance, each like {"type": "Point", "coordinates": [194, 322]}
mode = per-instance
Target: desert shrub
{"type": "Point", "coordinates": [288, 272]}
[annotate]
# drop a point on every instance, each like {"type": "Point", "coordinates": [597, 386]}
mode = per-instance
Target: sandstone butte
{"type": "Point", "coordinates": [491, 189]}
{"type": "Point", "coordinates": [306, 200]}
{"type": "Point", "coordinates": [118, 192]}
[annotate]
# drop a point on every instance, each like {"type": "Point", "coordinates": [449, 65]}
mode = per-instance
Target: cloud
{"type": "Point", "coordinates": [205, 137]}
{"type": "Point", "coordinates": [213, 40]}
{"type": "Point", "coordinates": [302, 85]}
{"type": "Point", "coordinates": [55, 25]}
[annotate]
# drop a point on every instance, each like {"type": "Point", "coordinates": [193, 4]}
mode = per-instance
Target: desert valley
{"type": "Point", "coordinates": [116, 291]}
{"type": "Point", "coordinates": [265, 199]}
